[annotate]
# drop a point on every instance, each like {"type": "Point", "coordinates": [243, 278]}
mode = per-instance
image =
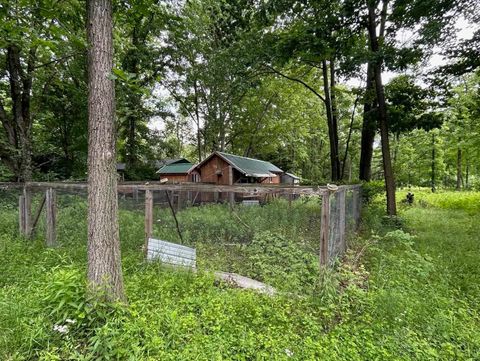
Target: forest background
{"type": "Point", "coordinates": [291, 82]}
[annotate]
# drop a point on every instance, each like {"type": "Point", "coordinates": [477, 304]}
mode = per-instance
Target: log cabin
{"type": "Point", "coordinates": [227, 169]}
{"type": "Point", "coordinates": [176, 171]}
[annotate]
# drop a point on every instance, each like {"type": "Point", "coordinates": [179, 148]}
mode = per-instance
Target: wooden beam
{"type": "Point", "coordinates": [325, 229]}
{"type": "Point", "coordinates": [36, 217]}
{"type": "Point", "coordinates": [148, 218]}
{"type": "Point", "coordinates": [27, 195]}
{"type": "Point", "coordinates": [356, 202]}
{"type": "Point", "coordinates": [51, 212]}
{"type": "Point", "coordinates": [21, 215]}
{"type": "Point", "coordinates": [253, 189]}
{"type": "Point", "coordinates": [174, 216]}
{"type": "Point", "coordinates": [341, 199]}
{"type": "Point", "coordinates": [231, 195]}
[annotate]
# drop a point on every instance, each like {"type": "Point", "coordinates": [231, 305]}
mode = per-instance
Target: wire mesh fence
{"type": "Point", "coordinates": [228, 225]}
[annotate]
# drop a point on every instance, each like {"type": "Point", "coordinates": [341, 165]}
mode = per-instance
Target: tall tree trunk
{"type": "Point", "coordinates": [332, 127]}
{"type": "Point", "coordinates": [197, 117]}
{"type": "Point", "coordinates": [333, 100]}
{"type": "Point", "coordinates": [459, 168]}
{"type": "Point", "coordinates": [369, 128]}
{"type": "Point", "coordinates": [382, 112]}
{"type": "Point", "coordinates": [347, 143]}
{"type": "Point", "coordinates": [104, 261]}
{"type": "Point", "coordinates": [20, 129]}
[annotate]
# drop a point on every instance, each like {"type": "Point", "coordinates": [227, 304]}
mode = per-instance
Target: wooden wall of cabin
{"type": "Point", "coordinates": [271, 180]}
{"type": "Point", "coordinates": [215, 171]}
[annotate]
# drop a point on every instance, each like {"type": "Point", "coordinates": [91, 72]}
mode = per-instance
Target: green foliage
{"type": "Point", "coordinates": [371, 190]}
{"type": "Point", "coordinates": [409, 106]}
{"type": "Point", "coordinates": [409, 293]}
{"type": "Point", "coordinates": [279, 261]}
{"type": "Point", "coordinates": [465, 201]}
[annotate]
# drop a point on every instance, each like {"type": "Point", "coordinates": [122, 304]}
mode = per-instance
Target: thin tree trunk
{"type": "Point", "coordinates": [467, 172]}
{"type": "Point", "coordinates": [333, 100]}
{"type": "Point", "coordinates": [459, 169]}
{"type": "Point", "coordinates": [347, 145]}
{"type": "Point", "coordinates": [382, 112]}
{"type": "Point", "coordinates": [369, 128]}
{"type": "Point", "coordinates": [197, 117]}
{"type": "Point", "coordinates": [104, 261]}
{"type": "Point", "coordinates": [332, 129]}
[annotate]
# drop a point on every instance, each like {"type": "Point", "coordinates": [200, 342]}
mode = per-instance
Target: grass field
{"type": "Point", "coordinates": [406, 290]}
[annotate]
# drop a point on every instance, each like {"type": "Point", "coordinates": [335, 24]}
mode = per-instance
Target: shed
{"type": "Point", "coordinates": [290, 178]}
{"type": "Point", "coordinates": [224, 168]}
{"type": "Point", "coordinates": [176, 170]}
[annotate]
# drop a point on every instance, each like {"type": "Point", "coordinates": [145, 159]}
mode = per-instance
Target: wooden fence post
{"type": "Point", "coordinates": [27, 200]}
{"type": "Point", "coordinates": [51, 212]}
{"type": "Point", "coordinates": [231, 195]}
{"type": "Point", "coordinates": [341, 198]}
{"type": "Point", "coordinates": [179, 200]}
{"type": "Point", "coordinates": [356, 206]}
{"type": "Point", "coordinates": [148, 217]}
{"type": "Point", "coordinates": [21, 215]}
{"type": "Point", "coordinates": [325, 229]}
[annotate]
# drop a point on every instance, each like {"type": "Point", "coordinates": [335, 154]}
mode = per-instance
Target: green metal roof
{"type": "Point", "coordinates": [251, 167]}
{"type": "Point", "coordinates": [175, 168]}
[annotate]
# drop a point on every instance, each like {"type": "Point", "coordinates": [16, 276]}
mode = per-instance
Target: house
{"type": "Point", "coordinates": [176, 171]}
{"type": "Point", "coordinates": [289, 178]}
{"type": "Point", "coordinates": [226, 169]}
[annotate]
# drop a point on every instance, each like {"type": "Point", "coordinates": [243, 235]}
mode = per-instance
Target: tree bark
{"type": "Point", "coordinates": [382, 112]}
{"type": "Point", "coordinates": [347, 143]}
{"type": "Point", "coordinates": [197, 121]}
{"type": "Point", "coordinates": [369, 128]}
{"type": "Point", "coordinates": [104, 261]}
{"type": "Point", "coordinates": [332, 127]}
{"type": "Point", "coordinates": [370, 124]}
{"type": "Point", "coordinates": [459, 168]}
{"type": "Point", "coordinates": [19, 127]}
{"type": "Point", "coordinates": [467, 173]}
{"type": "Point", "coordinates": [333, 100]}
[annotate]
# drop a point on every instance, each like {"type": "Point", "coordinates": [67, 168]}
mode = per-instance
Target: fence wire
{"type": "Point", "coordinates": [226, 228]}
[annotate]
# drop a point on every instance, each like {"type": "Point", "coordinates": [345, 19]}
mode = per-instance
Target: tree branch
{"type": "Point", "coordinates": [296, 80]}
{"type": "Point", "coordinates": [58, 60]}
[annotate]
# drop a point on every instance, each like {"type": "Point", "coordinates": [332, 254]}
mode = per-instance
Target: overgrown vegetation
{"type": "Point", "coordinates": [407, 293]}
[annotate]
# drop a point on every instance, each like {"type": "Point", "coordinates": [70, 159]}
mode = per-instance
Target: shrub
{"type": "Point", "coordinates": [371, 190]}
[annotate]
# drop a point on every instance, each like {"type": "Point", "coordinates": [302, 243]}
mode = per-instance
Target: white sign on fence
{"type": "Point", "coordinates": [171, 253]}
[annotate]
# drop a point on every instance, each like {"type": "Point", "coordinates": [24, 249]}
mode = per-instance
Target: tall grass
{"type": "Point", "coordinates": [408, 293]}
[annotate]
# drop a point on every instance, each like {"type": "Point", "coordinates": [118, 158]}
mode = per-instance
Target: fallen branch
{"type": "Point", "coordinates": [174, 216]}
